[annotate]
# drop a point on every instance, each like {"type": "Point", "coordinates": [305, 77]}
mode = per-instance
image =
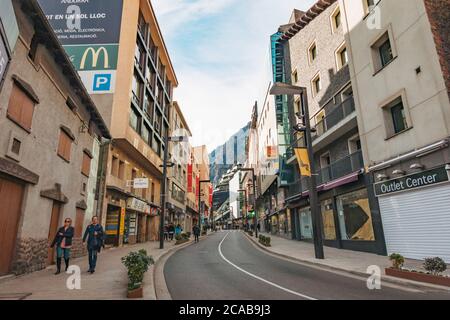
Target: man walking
{"type": "Point", "coordinates": [196, 230]}
{"type": "Point", "coordinates": [94, 235]}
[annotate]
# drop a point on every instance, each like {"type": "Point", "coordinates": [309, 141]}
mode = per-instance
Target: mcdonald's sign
{"type": "Point", "coordinates": [90, 58]}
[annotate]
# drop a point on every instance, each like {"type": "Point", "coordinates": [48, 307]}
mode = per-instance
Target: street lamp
{"type": "Point", "coordinates": [245, 203]}
{"type": "Point", "coordinates": [238, 167]}
{"type": "Point", "coordinates": [165, 165]}
{"type": "Point", "coordinates": [200, 203]}
{"type": "Point", "coordinates": [290, 90]}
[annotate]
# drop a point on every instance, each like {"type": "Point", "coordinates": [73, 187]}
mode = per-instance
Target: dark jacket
{"type": "Point", "coordinates": [196, 230]}
{"type": "Point", "coordinates": [94, 242]}
{"type": "Point", "coordinates": [67, 234]}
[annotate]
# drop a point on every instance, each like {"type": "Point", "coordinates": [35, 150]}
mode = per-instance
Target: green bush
{"type": "Point", "coordinates": [266, 241]}
{"type": "Point", "coordinates": [137, 264]}
{"type": "Point", "coordinates": [397, 260]}
{"type": "Point", "coordinates": [435, 265]}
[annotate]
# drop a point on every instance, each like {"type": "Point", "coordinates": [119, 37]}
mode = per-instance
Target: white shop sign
{"type": "Point", "coordinates": [138, 205]}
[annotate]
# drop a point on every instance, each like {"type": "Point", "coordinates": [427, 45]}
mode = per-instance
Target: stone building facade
{"type": "Point", "coordinates": [50, 135]}
{"type": "Point", "coordinates": [317, 55]}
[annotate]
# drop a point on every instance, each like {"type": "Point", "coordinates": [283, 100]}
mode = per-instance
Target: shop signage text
{"type": "Point", "coordinates": [138, 205]}
{"type": "Point", "coordinates": [414, 181]}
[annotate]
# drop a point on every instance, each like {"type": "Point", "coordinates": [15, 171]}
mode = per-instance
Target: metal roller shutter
{"type": "Point", "coordinates": [417, 223]}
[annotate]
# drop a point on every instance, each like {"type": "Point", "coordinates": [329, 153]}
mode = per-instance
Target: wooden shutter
{"type": "Point", "coordinates": [65, 145]}
{"type": "Point", "coordinates": [86, 165]}
{"type": "Point", "coordinates": [79, 222]}
{"type": "Point", "coordinates": [21, 108]}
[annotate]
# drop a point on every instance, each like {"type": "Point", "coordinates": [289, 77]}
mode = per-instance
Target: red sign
{"type": "Point", "coordinates": [210, 195]}
{"type": "Point", "coordinates": [189, 177]}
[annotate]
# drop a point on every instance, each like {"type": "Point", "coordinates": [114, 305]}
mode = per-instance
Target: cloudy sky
{"type": "Point", "coordinates": [220, 49]}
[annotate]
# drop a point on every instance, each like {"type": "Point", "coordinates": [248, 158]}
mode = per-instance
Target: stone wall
{"type": "Point", "coordinates": [78, 250]}
{"type": "Point", "coordinates": [439, 15]}
{"type": "Point", "coordinates": [31, 255]}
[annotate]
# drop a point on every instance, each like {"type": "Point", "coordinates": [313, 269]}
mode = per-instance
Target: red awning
{"type": "Point", "coordinates": [353, 177]}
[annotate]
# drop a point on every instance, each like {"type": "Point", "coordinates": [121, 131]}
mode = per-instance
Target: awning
{"type": "Point", "coordinates": [353, 177]}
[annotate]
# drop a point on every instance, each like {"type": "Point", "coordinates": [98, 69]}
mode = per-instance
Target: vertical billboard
{"type": "Point", "coordinates": [89, 31]}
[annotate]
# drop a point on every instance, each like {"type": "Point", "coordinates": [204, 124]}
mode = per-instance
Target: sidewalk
{"type": "Point", "coordinates": [338, 259]}
{"type": "Point", "coordinates": [108, 283]}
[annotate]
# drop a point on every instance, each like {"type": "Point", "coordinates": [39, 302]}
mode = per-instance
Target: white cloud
{"type": "Point", "coordinates": [220, 50]}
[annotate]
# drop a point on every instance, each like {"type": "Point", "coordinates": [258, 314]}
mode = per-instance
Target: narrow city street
{"type": "Point", "coordinates": [227, 266]}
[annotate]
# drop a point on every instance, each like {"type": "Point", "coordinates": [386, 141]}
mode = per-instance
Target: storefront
{"type": "Point", "coordinates": [415, 211]}
{"type": "Point", "coordinates": [136, 221]}
{"type": "Point", "coordinates": [348, 212]}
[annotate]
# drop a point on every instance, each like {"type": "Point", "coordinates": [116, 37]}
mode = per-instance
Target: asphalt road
{"type": "Point", "coordinates": [226, 266]}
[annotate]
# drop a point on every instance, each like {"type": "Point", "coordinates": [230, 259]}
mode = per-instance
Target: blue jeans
{"type": "Point", "coordinates": [92, 259]}
{"type": "Point", "coordinates": [60, 252]}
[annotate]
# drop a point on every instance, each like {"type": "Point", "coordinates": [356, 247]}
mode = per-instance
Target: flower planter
{"type": "Point", "coordinates": [181, 241]}
{"type": "Point", "coordinates": [417, 276]}
{"type": "Point", "coordinates": [136, 293]}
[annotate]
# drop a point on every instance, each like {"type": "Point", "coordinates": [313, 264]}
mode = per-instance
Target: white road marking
{"type": "Point", "coordinates": [259, 278]}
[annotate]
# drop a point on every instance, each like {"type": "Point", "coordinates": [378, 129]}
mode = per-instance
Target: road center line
{"type": "Point", "coordinates": [259, 278]}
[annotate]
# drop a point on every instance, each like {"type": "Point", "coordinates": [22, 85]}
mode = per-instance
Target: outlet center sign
{"type": "Point", "coordinates": [89, 31]}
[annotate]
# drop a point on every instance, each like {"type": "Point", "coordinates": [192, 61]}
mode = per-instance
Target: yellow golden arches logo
{"type": "Point", "coordinates": [95, 54]}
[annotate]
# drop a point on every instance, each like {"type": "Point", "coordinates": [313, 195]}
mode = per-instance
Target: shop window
{"type": "Point", "coordinates": [329, 226]}
{"type": "Point", "coordinates": [21, 108]}
{"type": "Point", "coordinates": [65, 145]}
{"type": "Point", "coordinates": [306, 227]}
{"type": "Point", "coordinates": [355, 217]}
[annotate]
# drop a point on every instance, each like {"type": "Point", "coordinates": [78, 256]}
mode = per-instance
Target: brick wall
{"type": "Point", "coordinates": [439, 15]}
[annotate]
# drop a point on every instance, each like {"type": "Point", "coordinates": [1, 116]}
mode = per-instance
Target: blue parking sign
{"type": "Point", "coordinates": [102, 82]}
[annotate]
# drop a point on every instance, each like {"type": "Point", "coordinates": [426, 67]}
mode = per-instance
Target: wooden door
{"type": "Point", "coordinates": [54, 226]}
{"type": "Point", "coordinates": [11, 195]}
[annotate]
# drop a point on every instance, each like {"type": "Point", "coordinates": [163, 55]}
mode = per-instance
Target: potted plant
{"type": "Point", "coordinates": [181, 238]}
{"type": "Point", "coordinates": [434, 267]}
{"type": "Point", "coordinates": [137, 264]}
{"type": "Point", "coordinates": [397, 261]}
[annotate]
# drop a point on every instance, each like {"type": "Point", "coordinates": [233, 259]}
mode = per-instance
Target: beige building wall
{"type": "Point", "coordinates": [425, 94]}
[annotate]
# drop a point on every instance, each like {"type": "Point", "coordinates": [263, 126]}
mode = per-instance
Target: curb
{"type": "Point", "coordinates": [389, 279]}
{"type": "Point", "coordinates": [161, 292]}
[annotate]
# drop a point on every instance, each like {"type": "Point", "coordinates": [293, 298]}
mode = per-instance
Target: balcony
{"type": "Point", "coordinates": [326, 176]}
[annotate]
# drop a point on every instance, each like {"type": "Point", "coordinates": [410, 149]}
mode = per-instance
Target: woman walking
{"type": "Point", "coordinates": [94, 235]}
{"type": "Point", "coordinates": [63, 242]}
{"type": "Point", "coordinates": [178, 230]}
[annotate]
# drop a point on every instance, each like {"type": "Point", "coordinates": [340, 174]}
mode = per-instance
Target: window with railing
{"type": "Point", "coordinates": [149, 106]}
{"type": "Point", "coordinates": [330, 120]}
{"type": "Point", "coordinates": [142, 26]}
{"type": "Point", "coordinates": [338, 169]}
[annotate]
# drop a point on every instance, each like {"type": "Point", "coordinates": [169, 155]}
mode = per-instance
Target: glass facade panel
{"type": "Point", "coordinates": [306, 227]}
{"type": "Point", "coordinates": [355, 217]}
{"type": "Point", "coordinates": [329, 227]}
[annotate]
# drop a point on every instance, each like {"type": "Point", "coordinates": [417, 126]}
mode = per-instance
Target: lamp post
{"type": "Point", "coordinates": [165, 165]}
{"type": "Point", "coordinates": [245, 203]}
{"type": "Point", "coordinates": [287, 89]}
{"type": "Point", "coordinates": [200, 203]}
{"type": "Point", "coordinates": [255, 219]}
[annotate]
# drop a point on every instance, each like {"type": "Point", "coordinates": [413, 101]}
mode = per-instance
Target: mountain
{"type": "Point", "coordinates": [227, 155]}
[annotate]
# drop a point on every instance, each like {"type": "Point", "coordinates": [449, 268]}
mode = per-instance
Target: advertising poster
{"type": "Point", "coordinates": [89, 31]}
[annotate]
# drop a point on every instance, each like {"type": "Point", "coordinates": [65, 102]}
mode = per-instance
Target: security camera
{"type": "Point", "coordinates": [299, 115]}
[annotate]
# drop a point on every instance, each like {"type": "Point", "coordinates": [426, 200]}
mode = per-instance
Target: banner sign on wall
{"type": "Point", "coordinates": [89, 31]}
{"type": "Point", "coordinates": [4, 57]}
